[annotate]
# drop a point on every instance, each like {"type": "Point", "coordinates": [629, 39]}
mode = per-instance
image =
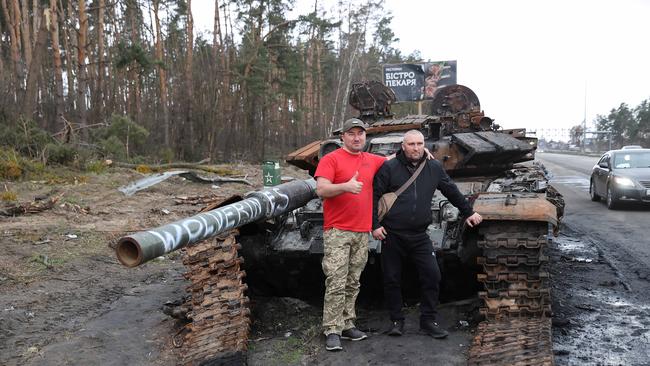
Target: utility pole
{"type": "Point", "coordinates": [584, 122]}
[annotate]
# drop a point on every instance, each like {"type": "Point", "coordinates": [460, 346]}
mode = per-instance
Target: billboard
{"type": "Point", "coordinates": [418, 81]}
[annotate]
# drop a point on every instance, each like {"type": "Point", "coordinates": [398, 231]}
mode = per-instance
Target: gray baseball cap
{"type": "Point", "coordinates": [353, 122]}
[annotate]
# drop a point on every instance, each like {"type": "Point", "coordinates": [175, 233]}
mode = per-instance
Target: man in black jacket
{"type": "Point", "coordinates": [404, 229]}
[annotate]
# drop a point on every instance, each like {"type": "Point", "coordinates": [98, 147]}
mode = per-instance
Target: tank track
{"type": "Point", "coordinates": [220, 317]}
{"type": "Point", "coordinates": [517, 307]}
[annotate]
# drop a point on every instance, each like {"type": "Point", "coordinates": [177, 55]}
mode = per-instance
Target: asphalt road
{"type": "Point", "coordinates": [623, 234]}
{"type": "Point", "coordinates": [600, 271]}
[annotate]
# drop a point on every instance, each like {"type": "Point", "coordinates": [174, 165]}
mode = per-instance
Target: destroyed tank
{"type": "Point", "coordinates": [502, 260]}
{"type": "Point", "coordinates": [491, 166]}
{"type": "Point", "coordinates": [280, 235]}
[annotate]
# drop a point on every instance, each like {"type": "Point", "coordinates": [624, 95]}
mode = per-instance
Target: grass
{"type": "Point", "coordinates": [60, 251]}
{"type": "Point", "coordinates": [144, 169]}
{"type": "Point", "coordinates": [289, 351]}
{"type": "Point", "coordinates": [47, 261]}
{"type": "Point", "coordinates": [8, 196]}
{"type": "Point", "coordinates": [15, 167]}
{"type": "Point", "coordinates": [96, 166]}
{"type": "Point", "coordinates": [71, 200]}
{"type": "Point", "coordinates": [293, 349]}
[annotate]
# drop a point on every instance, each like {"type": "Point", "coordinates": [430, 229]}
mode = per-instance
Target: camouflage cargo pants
{"type": "Point", "coordinates": [346, 253]}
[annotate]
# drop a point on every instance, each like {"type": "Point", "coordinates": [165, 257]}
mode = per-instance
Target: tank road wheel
{"type": "Point", "coordinates": [592, 192]}
{"type": "Point", "coordinates": [612, 203]}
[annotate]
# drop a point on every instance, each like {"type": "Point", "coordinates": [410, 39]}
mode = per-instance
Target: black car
{"type": "Point", "coordinates": [621, 175]}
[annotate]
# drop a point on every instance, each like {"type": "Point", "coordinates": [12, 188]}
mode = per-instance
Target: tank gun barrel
{"type": "Point", "coordinates": [135, 249]}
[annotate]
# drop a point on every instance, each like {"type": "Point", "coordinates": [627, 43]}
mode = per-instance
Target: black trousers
{"type": "Point", "coordinates": [416, 247]}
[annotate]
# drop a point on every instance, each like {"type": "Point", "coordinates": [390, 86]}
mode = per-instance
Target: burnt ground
{"type": "Point", "coordinates": [65, 300]}
{"type": "Point", "coordinates": [600, 315]}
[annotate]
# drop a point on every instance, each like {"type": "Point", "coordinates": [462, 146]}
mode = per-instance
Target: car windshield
{"type": "Point", "coordinates": [625, 160]}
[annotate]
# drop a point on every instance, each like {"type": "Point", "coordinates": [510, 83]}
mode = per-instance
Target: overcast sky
{"type": "Point", "coordinates": [529, 62]}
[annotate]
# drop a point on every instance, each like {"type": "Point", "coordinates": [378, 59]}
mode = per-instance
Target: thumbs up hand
{"type": "Point", "coordinates": [353, 185]}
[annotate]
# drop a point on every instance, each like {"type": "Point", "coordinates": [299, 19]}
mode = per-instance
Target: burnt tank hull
{"type": "Point", "coordinates": [493, 167]}
{"type": "Point", "coordinates": [503, 260]}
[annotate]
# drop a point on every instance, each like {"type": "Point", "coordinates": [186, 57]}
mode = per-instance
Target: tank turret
{"type": "Point", "coordinates": [456, 131]}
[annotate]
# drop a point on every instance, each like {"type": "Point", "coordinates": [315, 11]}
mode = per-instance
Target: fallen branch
{"type": "Point", "coordinates": [155, 167]}
{"type": "Point", "coordinates": [30, 207]}
{"type": "Point", "coordinates": [200, 179]}
{"type": "Point", "coordinates": [197, 200]}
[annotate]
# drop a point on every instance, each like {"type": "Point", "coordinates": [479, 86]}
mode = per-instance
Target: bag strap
{"type": "Point", "coordinates": [408, 182]}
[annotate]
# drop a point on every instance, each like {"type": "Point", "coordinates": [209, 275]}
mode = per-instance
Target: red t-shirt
{"type": "Point", "coordinates": [348, 211]}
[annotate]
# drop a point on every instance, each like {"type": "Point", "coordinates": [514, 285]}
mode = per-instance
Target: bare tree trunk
{"type": "Point", "coordinates": [26, 33]}
{"type": "Point", "coordinates": [228, 97]}
{"type": "Point", "coordinates": [135, 110]}
{"type": "Point", "coordinates": [310, 85]}
{"type": "Point", "coordinates": [56, 61]}
{"type": "Point", "coordinates": [319, 90]}
{"type": "Point", "coordinates": [220, 85]}
{"type": "Point", "coordinates": [309, 91]}
{"type": "Point", "coordinates": [2, 64]}
{"type": "Point", "coordinates": [69, 37]}
{"type": "Point", "coordinates": [13, 16]}
{"type": "Point", "coordinates": [189, 123]}
{"type": "Point", "coordinates": [13, 42]}
{"type": "Point", "coordinates": [34, 70]}
{"type": "Point", "coordinates": [162, 74]}
{"type": "Point", "coordinates": [81, 65]}
{"type": "Point", "coordinates": [100, 58]}
{"type": "Point", "coordinates": [217, 38]}
{"type": "Point", "coordinates": [36, 22]}
{"type": "Point", "coordinates": [351, 61]}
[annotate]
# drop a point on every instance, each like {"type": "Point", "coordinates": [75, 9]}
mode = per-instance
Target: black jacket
{"type": "Point", "coordinates": [411, 212]}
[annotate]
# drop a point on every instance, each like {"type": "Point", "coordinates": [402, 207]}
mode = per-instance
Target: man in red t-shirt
{"type": "Point", "coordinates": [344, 182]}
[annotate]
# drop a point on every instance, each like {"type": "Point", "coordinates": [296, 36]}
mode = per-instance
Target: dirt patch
{"type": "Point", "coordinates": [65, 298]}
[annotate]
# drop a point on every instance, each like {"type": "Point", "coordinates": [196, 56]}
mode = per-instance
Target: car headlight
{"type": "Point", "coordinates": [621, 181]}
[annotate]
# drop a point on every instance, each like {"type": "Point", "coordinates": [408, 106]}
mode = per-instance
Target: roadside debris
{"type": "Point", "coordinates": [197, 200]}
{"type": "Point", "coordinates": [36, 206]}
{"type": "Point", "coordinates": [75, 208]}
{"type": "Point", "coordinates": [154, 179]}
{"type": "Point", "coordinates": [160, 211]}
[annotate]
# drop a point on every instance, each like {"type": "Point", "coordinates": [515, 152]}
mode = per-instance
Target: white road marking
{"type": "Point", "coordinates": [581, 182]}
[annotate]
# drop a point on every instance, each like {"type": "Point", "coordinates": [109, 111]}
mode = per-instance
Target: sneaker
{"type": "Point", "coordinates": [396, 328]}
{"type": "Point", "coordinates": [333, 342]}
{"type": "Point", "coordinates": [353, 334]}
{"type": "Point", "coordinates": [433, 329]}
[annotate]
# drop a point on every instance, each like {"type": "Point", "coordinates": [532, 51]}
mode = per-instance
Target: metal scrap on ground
{"type": "Point", "coordinates": [154, 179]}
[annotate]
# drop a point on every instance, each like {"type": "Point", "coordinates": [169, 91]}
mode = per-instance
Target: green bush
{"type": "Point", "coordinates": [123, 138]}
{"type": "Point", "coordinates": [113, 148]}
{"type": "Point", "coordinates": [8, 196]}
{"type": "Point", "coordinates": [95, 166]}
{"type": "Point", "coordinates": [10, 164]}
{"type": "Point", "coordinates": [60, 154]}
{"type": "Point", "coordinates": [166, 155]}
{"type": "Point", "coordinates": [24, 136]}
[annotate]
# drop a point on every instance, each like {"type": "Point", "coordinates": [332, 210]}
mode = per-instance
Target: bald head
{"type": "Point", "coordinates": [410, 134]}
{"type": "Point", "coordinates": [413, 145]}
